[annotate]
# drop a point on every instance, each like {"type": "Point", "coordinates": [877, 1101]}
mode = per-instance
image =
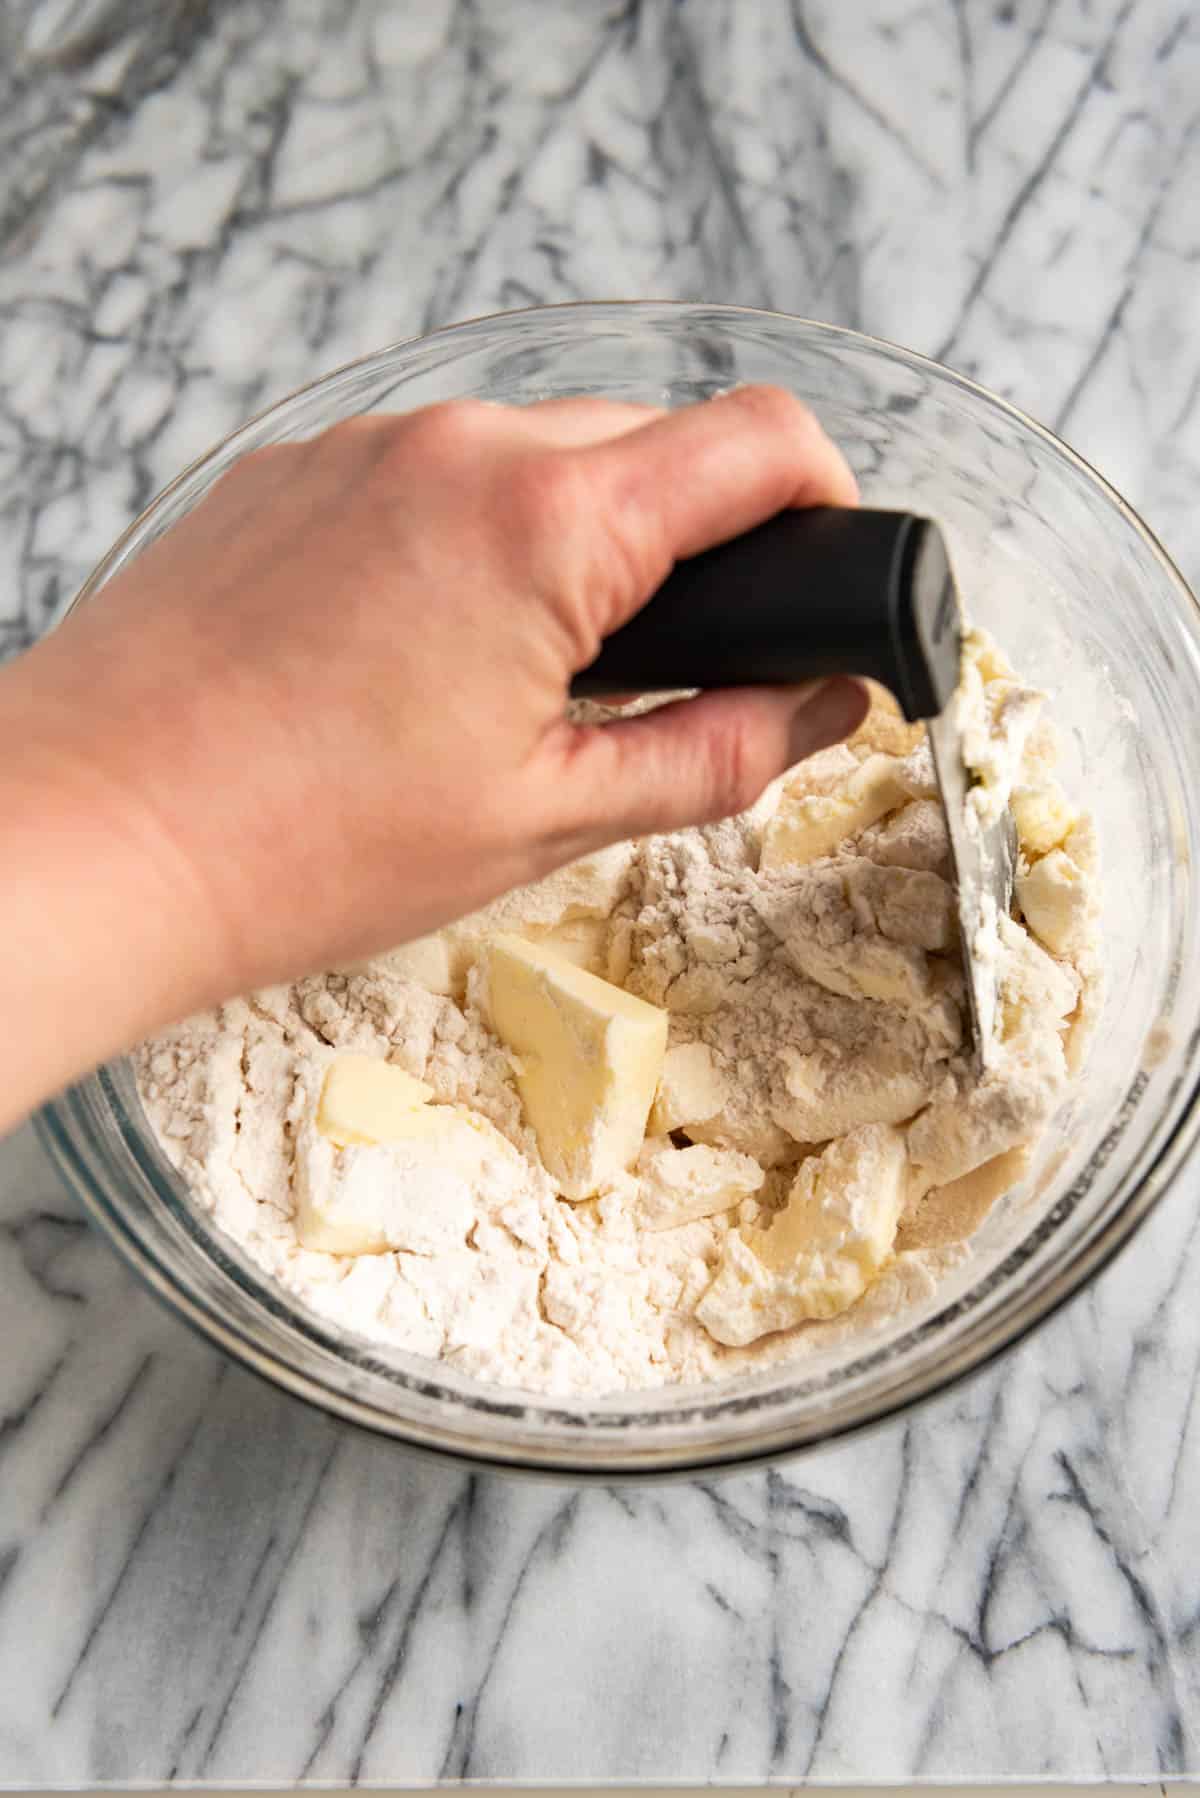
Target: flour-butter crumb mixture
{"type": "Point", "coordinates": [689, 1105]}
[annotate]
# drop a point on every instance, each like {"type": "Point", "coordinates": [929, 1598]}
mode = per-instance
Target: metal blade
{"type": "Point", "coordinates": [984, 861]}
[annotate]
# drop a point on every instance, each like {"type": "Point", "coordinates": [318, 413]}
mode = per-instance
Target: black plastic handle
{"type": "Point", "coordinates": [830, 590]}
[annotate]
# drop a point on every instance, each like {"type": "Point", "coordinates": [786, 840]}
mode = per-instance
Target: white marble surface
{"type": "Point", "coordinates": [202, 205]}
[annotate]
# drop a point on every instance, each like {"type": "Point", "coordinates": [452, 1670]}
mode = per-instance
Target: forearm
{"type": "Point", "coordinates": [101, 943]}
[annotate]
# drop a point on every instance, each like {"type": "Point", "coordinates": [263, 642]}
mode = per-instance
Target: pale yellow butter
{"type": "Point", "coordinates": [378, 1167]}
{"type": "Point", "coordinates": [844, 1205]}
{"type": "Point", "coordinates": [1056, 899]}
{"type": "Point", "coordinates": [822, 1251]}
{"type": "Point", "coordinates": [589, 1059]}
{"type": "Point", "coordinates": [811, 824]}
{"type": "Point", "coordinates": [690, 1089]}
{"type": "Point", "coordinates": [1044, 817]}
{"type": "Point", "coordinates": [367, 1100]}
{"type": "Point", "coordinates": [676, 1186]}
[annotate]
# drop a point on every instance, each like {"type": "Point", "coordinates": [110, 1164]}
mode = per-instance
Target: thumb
{"type": "Point", "coordinates": [699, 759]}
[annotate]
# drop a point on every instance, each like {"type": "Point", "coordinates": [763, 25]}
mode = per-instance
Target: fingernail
{"type": "Point", "coordinates": [829, 712]}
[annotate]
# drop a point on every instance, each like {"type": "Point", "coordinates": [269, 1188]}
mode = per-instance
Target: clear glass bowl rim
{"type": "Point", "coordinates": [1007, 1324]}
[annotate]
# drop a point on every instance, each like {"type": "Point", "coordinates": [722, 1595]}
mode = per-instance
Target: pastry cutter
{"type": "Point", "coordinates": [826, 591]}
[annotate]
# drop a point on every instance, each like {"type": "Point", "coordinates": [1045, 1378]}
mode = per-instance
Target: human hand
{"type": "Point", "coordinates": [326, 712]}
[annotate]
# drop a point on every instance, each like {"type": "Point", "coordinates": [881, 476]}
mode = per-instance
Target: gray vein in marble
{"type": "Point", "coordinates": [1033, 181]}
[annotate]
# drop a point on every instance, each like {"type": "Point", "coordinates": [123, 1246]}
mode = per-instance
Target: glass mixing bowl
{"type": "Point", "coordinates": [1085, 602]}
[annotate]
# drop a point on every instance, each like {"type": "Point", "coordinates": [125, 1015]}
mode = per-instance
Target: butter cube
{"type": "Point", "coordinates": [589, 1059]}
{"type": "Point", "coordinates": [415, 1194]}
{"type": "Point", "coordinates": [1056, 902]}
{"type": "Point", "coordinates": [366, 1100]}
{"type": "Point", "coordinates": [844, 1205]}
{"type": "Point", "coordinates": [1034, 988]}
{"type": "Point", "coordinates": [676, 1186]}
{"type": "Point", "coordinates": [378, 1168]}
{"type": "Point", "coordinates": [810, 824]}
{"type": "Point", "coordinates": [1044, 817]}
{"type": "Point", "coordinates": [822, 1251]}
{"type": "Point", "coordinates": [690, 1089]}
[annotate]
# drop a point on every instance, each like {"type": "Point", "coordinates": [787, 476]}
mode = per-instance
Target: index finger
{"type": "Point", "coordinates": [705, 473]}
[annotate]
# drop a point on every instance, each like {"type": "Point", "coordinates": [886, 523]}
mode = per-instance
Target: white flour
{"type": "Point", "coordinates": [807, 1003]}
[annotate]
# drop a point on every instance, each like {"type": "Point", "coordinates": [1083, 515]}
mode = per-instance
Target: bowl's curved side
{"type": "Point", "coordinates": [1021, 503]}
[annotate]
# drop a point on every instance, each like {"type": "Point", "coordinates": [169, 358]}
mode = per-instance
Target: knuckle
{"type": "Point", "coordinates": [439, 439]}
{"type": "Point", "coordinates": [354, 429]}
{"type": "Point", "coordinates": [550, 494]}
{"type": "Point", "coordinates": [551, 529]}
{"type": "Point", "coordinates": [449, 427]}
{"type": "Point", "coordinates": [587, 545]}
{"type": "Point", "coordinates": [773, 407]}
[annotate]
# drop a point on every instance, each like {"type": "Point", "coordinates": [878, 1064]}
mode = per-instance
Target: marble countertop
{"type": "Point", "coordinates": [204, 203]}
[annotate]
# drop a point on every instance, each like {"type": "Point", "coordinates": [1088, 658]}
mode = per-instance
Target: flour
{"type": "Point", "coordinates": [816, 1057]}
